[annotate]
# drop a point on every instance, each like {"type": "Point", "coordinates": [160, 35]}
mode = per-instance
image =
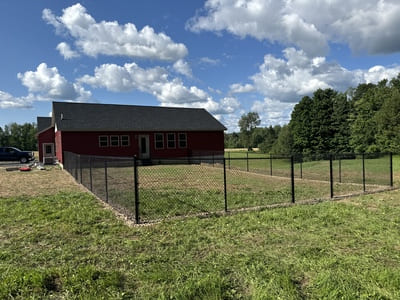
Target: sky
{"type": "Point", "coordinates": [227, 56]}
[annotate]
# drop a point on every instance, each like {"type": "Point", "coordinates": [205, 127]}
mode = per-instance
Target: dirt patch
{"type": "Point", "coordinates": [36, 182]}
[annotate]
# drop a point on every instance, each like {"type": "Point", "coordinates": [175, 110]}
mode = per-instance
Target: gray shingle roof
{"type": "Point", "coordinates": [43, 123]}
{"type": "Point", "coordinates": [111, 117]}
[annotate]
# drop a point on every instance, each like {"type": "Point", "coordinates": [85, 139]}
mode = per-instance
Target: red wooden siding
{"type": "Point", "coordinates": [88, 143]}
{"type": "Point", "coordinates": [46, 136]}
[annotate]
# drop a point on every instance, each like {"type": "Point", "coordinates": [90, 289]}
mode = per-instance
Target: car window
{"type": "Point", "coordinates": [10, 150]}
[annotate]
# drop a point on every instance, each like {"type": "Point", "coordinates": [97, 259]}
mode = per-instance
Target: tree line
{"type": "Point", "coordinates": [19, 136]}
{"type": "Point", "coordinates": [365, 119]}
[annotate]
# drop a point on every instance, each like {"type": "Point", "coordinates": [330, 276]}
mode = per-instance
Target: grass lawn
{"type": "Point", "coordinates": [180, 190]}
{"type": "Point", "coordinates": [65, 244]}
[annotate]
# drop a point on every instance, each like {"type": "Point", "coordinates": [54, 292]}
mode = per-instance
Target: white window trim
{"type": "Point", "coordinates": [155, 141]}
{"type": "Point", "coordinates": [168, 140]}
{"type": "Point", "coordinates": [129, 140]}
{"type": "Point", "coordinates": [179, 140]}
{"type": "Point", "coordinates": [102, 136]}
{"type": "Point", "coordinates": [113, 136]}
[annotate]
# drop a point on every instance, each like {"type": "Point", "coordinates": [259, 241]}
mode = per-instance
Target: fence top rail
{"type": "Point", "coordinates": [220, 157]}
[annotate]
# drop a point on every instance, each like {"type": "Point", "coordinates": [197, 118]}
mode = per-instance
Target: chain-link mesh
{"type": "Point", "coordinates": [195, 185]}
{"type": "Point", "coordinates": [179, 187]}
{"type": "Point", "coordinates": [249, 189]}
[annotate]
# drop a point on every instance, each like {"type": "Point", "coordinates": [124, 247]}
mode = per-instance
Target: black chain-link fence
{"type": "Point", "coordinates": [150, 190]}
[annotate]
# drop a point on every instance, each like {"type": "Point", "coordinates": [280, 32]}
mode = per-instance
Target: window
{"type": "Point", "coordinates": [182, 141]}
{"type": "Point", "coordinates": [48, 149]}
{"type": "Point", "coordinates": [114, 141]}
{"type": "Point", "coordinates": [124, 140]}
{"type": "Point", "coordinates": [103, 141]}
{"type": "Point", "coordinates": [159, 141]}
{"type": "Point", "coordinates": [171, 140]}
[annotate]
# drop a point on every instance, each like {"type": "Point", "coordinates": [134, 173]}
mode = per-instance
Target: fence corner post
{"type": "Point", "coordinates": [80, 168]}
{"type": "Point", "coordinates": [225, 193]}
{"type": "Point", "coordinates": [292, 177]}
{"type": "Point", "coordinates": [90, 174]}
{"type": "Point", "coordinates": [136, 186]}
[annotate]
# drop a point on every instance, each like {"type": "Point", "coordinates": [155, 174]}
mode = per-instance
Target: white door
{"type": "Point", "coordinates": [48, 149]}
{"type": "Point", "coordinates": [144, 147]}
{"type": "Point", "coordinates": [48, 153]}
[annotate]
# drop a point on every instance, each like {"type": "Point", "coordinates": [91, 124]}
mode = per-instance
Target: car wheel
{"type": "Point", "coordinates": [23, 160]}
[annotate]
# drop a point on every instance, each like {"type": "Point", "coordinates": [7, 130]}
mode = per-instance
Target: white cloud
{"type": "Point", "coordinates": [155, 81]}
{"type": "Point", "coordinates": [296, 75]}
{"type": "Point", "coordinates": [9, 101]}
{"type": "Point", "coordinates": [284, 81]}
{"type": "Point", "coordinates": [209, 61]}
{"type": "Point", "coordinates": [378, 73]}
{"type": "Point", "coordinates": [238, 88]}
{"type": "Point", "coordinates": [182, 67]}
{"type": "Point", "coordinates": [263, 20]}
{"type": "Point", "coordinates": [365, 25]}
{"type": "Point", "coordinates": [110, 38]}
{"type": "Point", "coordinates": [230, 104]}
{"type": "Point", "coordinates": [66, 51]}
{"type": "Point", "coordinates": [47, 84]}
{"type": "Point", "coordinates": [273, 112]}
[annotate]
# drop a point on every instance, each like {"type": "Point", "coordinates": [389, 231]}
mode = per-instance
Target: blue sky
{"type": "Point", "coordinates": [230, 57]}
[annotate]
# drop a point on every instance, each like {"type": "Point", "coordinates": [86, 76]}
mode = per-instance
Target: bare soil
{"type": "Point", "coordinates": [36, 182]}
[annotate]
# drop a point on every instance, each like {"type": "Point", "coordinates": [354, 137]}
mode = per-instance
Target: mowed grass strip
{"type": "Point", "coordinates": [66, 245]}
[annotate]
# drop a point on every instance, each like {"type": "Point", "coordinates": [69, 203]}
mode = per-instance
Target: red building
{"type": "Point", "coordinates": [125, 130]}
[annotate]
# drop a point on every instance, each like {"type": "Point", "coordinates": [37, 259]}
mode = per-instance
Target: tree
{"type": "Point", "coordinates": [300, 125]}
{"type": "Point", "coordinates": [284, 142]}
{"type": "Point", "coordinates": [341, 124]}
{"type": "Point", "coordinates": [388, 124]}
{"type": "Point", "coordinates": [364, 125]}
{"type": "Point", "coordinates": [270, 136]}
{"type": "Point", "coordinates": [19, 136]}
{"type": "Point", "coordinates": [232, 140]}
{"type": "Point", "coordinates": [247, 124]}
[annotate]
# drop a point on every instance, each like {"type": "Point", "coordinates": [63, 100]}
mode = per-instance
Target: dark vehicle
{"type": "Point", "coordinates": [13, 154]}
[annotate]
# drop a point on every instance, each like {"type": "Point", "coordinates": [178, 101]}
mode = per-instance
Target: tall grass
{"type": "Point", "coordinates": [68, 246]}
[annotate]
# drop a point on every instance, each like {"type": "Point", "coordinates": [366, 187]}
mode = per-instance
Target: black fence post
{"type": "Point", "coordinates": [301, 166]}
{"type": "Point", "coordinates": [270, 165]}
{"type": "Point", "coordinates": [292, 177]}
{"type": "Point", "coordinates": [229, 160]}
{"type": "Point", "coordinates": [247, 161]}
{"type": "Point", "coordinates": [136, 186]}
{"type": "Point", "coordinates": [90, 174]}
{"type": "Point", "coordinates": [391, 168]}
{"type": "Point", "coordinates": [331, 175]}
{"type": "Point", "coordinates": [106, 179]}
{"type": "Point", "coordinates": [225, 194]}
{"type": "Point", "coordinates": [213, 162]}
{"type": "Point", "coordinates": [76, 167]}
{"type": "Point", "coordinates": [363, 171]}
{"type": "Point", "coordinates": [340, 169]}
{"type": "Point", "coordinates": [80, 168]}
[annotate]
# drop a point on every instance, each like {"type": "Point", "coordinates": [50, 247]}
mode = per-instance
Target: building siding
{"type": "Point", "coordinates": [88, 143]}
{"type": "Point", "coordinates": [46, 136]}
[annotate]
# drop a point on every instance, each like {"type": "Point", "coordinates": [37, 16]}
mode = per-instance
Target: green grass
{"type": "Point", "coordinates": [68, 246]}
{"type": "Point", "coordinates": [377, 170]}
{"type": "Point", "coordinates": [180, 190]}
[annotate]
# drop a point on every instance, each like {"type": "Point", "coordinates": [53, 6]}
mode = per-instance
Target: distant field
{"type": "Point", "coordinates": [63, 244]}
